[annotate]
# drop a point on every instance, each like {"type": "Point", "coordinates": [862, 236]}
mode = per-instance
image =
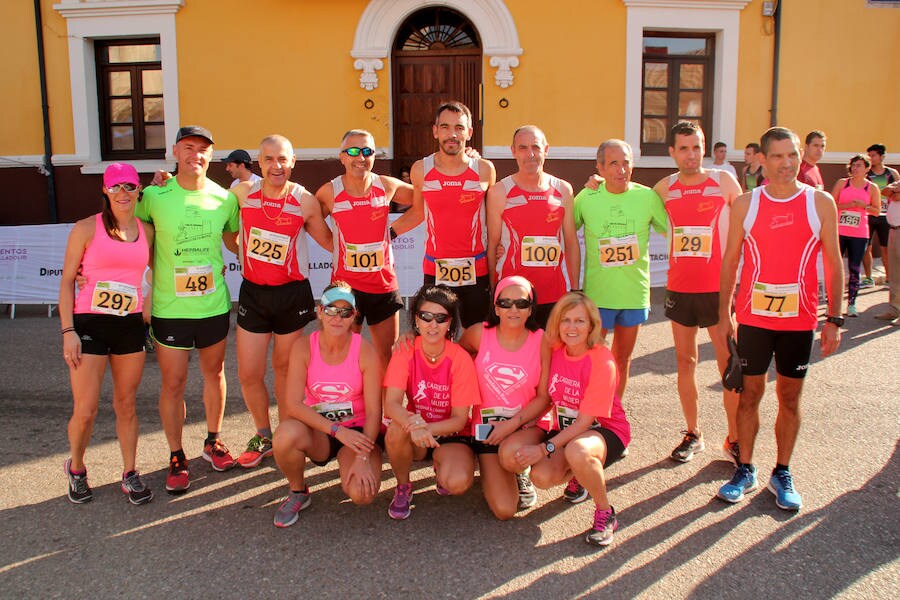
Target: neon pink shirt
{"type": "Point", "coordinates": [697, 216]}
{"type": "Point", "coordinates": [336, 391]}
{"type": "Point", "coordinates": [273, 241]}
{"type": "Point", "coordinates": [853, 222]}
{"type": "Point", "coordinates": [362, 246]}
{"type": "Point", "coordinates": [779, 283]}
{"type": "Point", "coordinates": [114, 271]}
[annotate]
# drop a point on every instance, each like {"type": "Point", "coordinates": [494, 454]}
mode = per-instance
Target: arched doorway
{"type": "Point", "coordinates": [436, 57]}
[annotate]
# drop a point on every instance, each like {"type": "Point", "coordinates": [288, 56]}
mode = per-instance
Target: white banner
{"type": "Point", "coordinates": [31, 259]}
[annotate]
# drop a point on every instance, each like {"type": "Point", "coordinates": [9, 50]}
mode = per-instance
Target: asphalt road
{"type": "Point", "coordinates": [676, 539]}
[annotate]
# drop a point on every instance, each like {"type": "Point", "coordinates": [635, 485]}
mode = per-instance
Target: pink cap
{"type": "Point", "coordinates": [514, 280]}
{"type": "Point", "coordinates": [117, 173]}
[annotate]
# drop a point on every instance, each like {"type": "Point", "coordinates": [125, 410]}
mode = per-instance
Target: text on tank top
{"type": "Point", "coordinates": [507, 379]}
{"type": "Point", "coordinates": [336, 391]}
{"type": "Point", "coordinates": [428, 387]}
{"type": "Point", "coordinates": [274, 249]}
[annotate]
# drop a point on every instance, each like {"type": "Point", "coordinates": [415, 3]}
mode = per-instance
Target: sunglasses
{"type": "Point", "coordinates": [333, 311]}
{"type": "Point", "coordinates": [356, 151]}
{"type": "Point", "coordinates": [520, 303]}
{"type": "Point", "coordinates": [428, 317]}
{"type": "Point", "coordinates": [128, 187]}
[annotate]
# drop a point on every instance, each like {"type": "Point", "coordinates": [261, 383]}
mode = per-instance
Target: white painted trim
{"type": "Point", "coordinates": [721, 17]}
{"type": "Point", "coordinates": [88, 20]}
{"type": "Point", "coordinates": [141, 166]}
{"type": "Point", "coordinates": [380, 20]}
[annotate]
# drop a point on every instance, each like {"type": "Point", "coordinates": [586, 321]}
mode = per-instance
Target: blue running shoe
{"type": "Point", "coordinates": [782, 485]}
{"type": "Point", "coordinates": [743, 481]}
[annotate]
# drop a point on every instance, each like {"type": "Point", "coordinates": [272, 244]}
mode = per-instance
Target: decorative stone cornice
{"type": "Point", "coordinates": [76, 9]}
{"type": "Point", "coordinates": [689, 4]}
{"type": "Point", "coordinates": [504, 77]}
{"type": "Point", "coordinates": [368, 79]}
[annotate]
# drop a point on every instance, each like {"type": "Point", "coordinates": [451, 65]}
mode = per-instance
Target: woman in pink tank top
{"type": "Point", "coordinates": [588, 429]}
{"type": "Point", "coordinates": [507, 350]}
{"type": "Point", "coordinates": [103, 324]}
{"type": "Point", "coordinates": [333, 407]}
{"type": "Point", "coordinates": [856, 199]}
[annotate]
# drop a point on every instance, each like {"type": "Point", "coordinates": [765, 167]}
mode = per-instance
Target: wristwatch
{"type": "Point", "coordinates": [839, 321]}
{"type": "Point", "coordinates": [551, 448]}
{"type": "Point", "coordinates": [334, 429]}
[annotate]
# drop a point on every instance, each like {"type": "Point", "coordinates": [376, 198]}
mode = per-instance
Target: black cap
{"type": "Point", "coordinates": [238, 156]}
{"type": "Point", "coordinates": [194, 130]}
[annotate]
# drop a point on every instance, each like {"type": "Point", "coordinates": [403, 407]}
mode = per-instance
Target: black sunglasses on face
{"type": "Point", "coordinates": [520, 303]}
{"type": "Point", "coordinates": [331, 311]}
{"type": "Point", "coordinates": [128, 187]}
{"type": "Point", "coordinates": [428, 317]}
{"type": "Point", "coordinates": [356, 151]}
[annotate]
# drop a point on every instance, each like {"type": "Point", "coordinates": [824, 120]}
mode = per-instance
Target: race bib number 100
{"type": "Point", "coordinates": [454, 272]}
{"type": "Point", "coordinates": [194, 281]}
{"type": "Point", "coordinates": [618, 251]}
{"type": "Point", "coordinates": [113, 298]}
{"type": "Point", "coordinates": [540, 251]}
{"type": "Point", "coordinates": [775, 300]}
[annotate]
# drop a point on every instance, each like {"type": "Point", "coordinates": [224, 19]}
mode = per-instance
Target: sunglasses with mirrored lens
{"type": "Point", "coordinates": [333, 311]}
{"type": "Point", "coordinates": [520, 303]}
{"type": "Point", "coordinates": [356, 151]}
{"type": "Point", "coordinates": [428, 317]}
{"type": "Point", "coordinates": [128, 187]}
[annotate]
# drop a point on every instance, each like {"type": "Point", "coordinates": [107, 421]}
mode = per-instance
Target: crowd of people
{"type": "Point", "coordinates": [506, 371]}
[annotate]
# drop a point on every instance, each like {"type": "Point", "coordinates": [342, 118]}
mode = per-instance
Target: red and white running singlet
{"type": "Point", "coordinates": [697, 216]}
{"type": "Point", "coordinates": [362, 245]}
{"type": "Point", "coordinates": [336, 391]}
{"type": "Point", "coordinates": [531, 232]}
{"type": "Point", "coordinates": [273, 242]}
{"type": "Point", "coordinates": [454, 217]}
{"type": "Point", "coordinates": [779, 284]}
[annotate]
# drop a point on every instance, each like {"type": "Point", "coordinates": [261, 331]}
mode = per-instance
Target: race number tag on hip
{"type": "Point", "coordinates": [565, 416]}
{"type": "Point", "coordinates": [775, 300]}
{"type": "Point", "coordinates": [194, 281]}
{"type": "Point", "coordinates": [618, 251]}
{"type": "Point", "coordinates": [335, 411]}
{"type": "Point", "coordinates": [495, 414]}
{"type": "Point", "coordinates": [692, 241]}
{"type": "Point", "coordinates": [113, 298]}
{"type": "Point", "coordinates": [849, 219]}
{"type": "Point", "coordinates": [540, 251]}
{"type": "Point", "coordinates": [364, 258]}
{"type": "Point", "coordinates": [454, 272]}
{"type": "Point", "coordinates": [267, 246]}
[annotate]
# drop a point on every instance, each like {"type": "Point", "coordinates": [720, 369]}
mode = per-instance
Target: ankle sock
{"type": "Point", "coordinates": [211, 437]}
{"type": "Point", "coordinates": [266, 433]}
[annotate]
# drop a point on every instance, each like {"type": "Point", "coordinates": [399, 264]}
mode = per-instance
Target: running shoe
{"type": "Point", "coordinates": [178, 479]}
{"type": "Point", "coordinates": [866, 282]}
{"type": "Point", "coordinates": [289, 511]}
{"type": "Point", "coordinates": [441, 490]}
{"type": "Point", "coordinates": [574, 493]}
{"type": "Point", "coordinates": [851, 311]}
{"type": "Point", "coordinates": [134, 487]}
{"type": "Point", "coordinates": [690, 445]}
{"type": "Point", "coordinates": [218, 456]}
{"type": "Point", "coordinates": [401, 505]}
{"type": "Point", "coordinates": [605, 523]}
{"type": "Point", "coordinates": [258, 448]}
{"type": "Point", "coordinates": [527, 493]}
{"type": "Point", "coordinates": [782, 485]}
{"type": "Point", "coordinates": [79, 490]}
{"type": "Point", "coordinates": [731, 451]}
{"type": "Point", "coordinates": [743, 481]}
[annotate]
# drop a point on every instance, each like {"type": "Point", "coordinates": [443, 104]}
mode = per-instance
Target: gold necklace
{"type": "Point", "coordinates": [262, 204]}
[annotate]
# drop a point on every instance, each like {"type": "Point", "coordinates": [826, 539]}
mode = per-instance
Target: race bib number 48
{"type": "Point", "coordinates": [692, 241]}
{"type": "Point", "coordinates": [113, 298]}
{"type": "Point", "coordinates": [454, 272]}
{"type": "Point", "coordinates": [540, 251]}
{"type": "Point", "coordinates": [618, 251]}
{"type": "Point", "coordinates": [267, 246]}
{"type": "Point", "coordinates": [194, 281]}
{"type": "Point", "coordinates": [775, 300]}
{"type": "Point", "coordinates": [364, 258]}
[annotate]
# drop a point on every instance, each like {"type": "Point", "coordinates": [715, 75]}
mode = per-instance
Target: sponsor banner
{"type": "Point", "coordinates": [31, 259]}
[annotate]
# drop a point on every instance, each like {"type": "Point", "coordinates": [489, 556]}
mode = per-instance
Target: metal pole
{"type": "Point", "coordinates": [45, 109]}
{"type": "Point", "coordinates": [776, 65]}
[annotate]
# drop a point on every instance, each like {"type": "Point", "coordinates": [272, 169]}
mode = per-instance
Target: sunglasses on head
{"type": "Point", "coordinates": [356, 151]}
{"type": "Point", "coordinates": [520, 303]}
{"type": "Point", "coordinates": [428, 317]}
{"type": "Point", "coordinates": [128, 187]}
{"type": "Point", "coordinates": [333, 311]}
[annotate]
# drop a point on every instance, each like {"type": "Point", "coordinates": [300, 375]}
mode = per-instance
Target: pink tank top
{"type": "Point", "coordinates": [697, 215]}
{"type": "Point", "coordinates": [114, 271]}
{"type": "Point", "coordinates": [779, 283]}
{"type": "Point", "coordinates": [362, 247]}
{"type": "Point", "coordinates": [336, 391]}
{"type": "Point", "coordinates": [507, 380]}
{"type": "Point", "coordinates": [853, 222]}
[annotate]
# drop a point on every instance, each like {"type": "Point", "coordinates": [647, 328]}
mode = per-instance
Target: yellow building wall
{"type": "Point", "coordinates": [838, 73]}
{"type": "Point", "coordinates": [754, 95]}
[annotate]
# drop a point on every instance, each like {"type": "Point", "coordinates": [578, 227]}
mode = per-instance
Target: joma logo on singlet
{"type": "Point", "coordinates": [451, 183]}
{"type": "Point", "coordinates": [537, 197]}
{"type": "Point", "coordinates": [272, 204]}
{"type": "Point", "coordinates": [781, 221]}
{"type": "Point", "coordinates": [689, 192]}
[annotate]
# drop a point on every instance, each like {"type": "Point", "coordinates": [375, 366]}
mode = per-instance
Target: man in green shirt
{"type": "Point", "coordinates": [191, 303]}
{"type": "Point", "coordinates": [617, 217]}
